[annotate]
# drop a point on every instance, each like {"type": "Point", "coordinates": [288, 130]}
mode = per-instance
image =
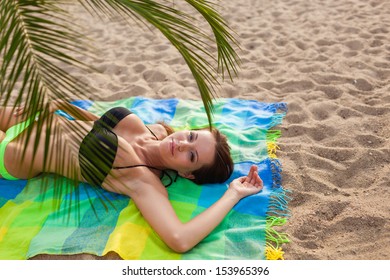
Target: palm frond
{"type": "Point", "coordinates": [181, 30]}
{"type": "Point", "coordinates": [228, 59]}
{"type": "Point", "coordinates": [37, 40]}
{"type": "Point", "coordinates": [34, 36]}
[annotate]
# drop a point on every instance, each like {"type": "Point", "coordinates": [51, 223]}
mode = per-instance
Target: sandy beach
{"type": "Point", "coordinates": [330, 61]}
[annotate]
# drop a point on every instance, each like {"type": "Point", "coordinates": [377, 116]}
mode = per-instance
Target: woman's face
{"type": "Point", "coordinates": [188, 150]}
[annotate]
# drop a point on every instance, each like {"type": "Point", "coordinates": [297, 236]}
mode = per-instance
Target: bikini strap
{"type": "Point", "coordinates": [152, 132]}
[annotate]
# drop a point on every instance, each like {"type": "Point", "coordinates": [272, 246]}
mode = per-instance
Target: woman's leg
{"type": "Point", "coordinates": [3, 144]}
{"type": "Point", "coordinates": [2, 135]}
{"type": "Point", "coordinates": [8, 119]}
{"type": "Point", "coordinates": [15, 157]}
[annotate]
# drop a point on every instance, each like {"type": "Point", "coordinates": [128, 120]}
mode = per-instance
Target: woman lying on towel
{"type": "Point", "coordinates": [121, 154]}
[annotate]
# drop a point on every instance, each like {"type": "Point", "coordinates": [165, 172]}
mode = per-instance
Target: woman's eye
{"type": "Point", "coordinates": [191, 137]}
{"type": "Point", "coordinates": [192, 156]}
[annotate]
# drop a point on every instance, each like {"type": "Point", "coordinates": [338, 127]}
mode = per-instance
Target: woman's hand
{"type": "Point", "coordinates": [247, 185]}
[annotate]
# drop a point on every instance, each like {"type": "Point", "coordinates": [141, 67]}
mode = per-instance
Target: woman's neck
{"type": "Point", "coordinates": [149, 153]}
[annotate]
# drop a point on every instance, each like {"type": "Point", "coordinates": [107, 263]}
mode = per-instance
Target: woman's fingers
{"type": "Point", "coordinates": [253, 175]}
{"type": "Point", "coordinates": [249, 176]}
{"type": "Point", "coordinates": [252, 179]}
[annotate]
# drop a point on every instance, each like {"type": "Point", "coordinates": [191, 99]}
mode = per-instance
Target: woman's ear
{"type": "Point", "coordinates": [187, 175]}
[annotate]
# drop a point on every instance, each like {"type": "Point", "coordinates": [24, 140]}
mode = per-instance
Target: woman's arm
{"type": "Point", "coordinates": [54, 105]}
{"type": "Point", "coordinates": [76, 112]}
{"type": "Point", "coordinates": [181, 237]}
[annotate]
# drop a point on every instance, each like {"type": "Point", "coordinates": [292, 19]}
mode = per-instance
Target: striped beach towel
{"type": "Point", "coordinates": [37, 218]}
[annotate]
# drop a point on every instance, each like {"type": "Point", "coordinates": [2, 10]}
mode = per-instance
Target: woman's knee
{"type": "Point", "coordinates": [2, 135]}
{"type": "Point", "coordinates": [8, 118]}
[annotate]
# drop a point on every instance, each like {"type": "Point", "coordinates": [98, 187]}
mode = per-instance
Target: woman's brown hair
{"type": "Point", "coordinates": [167, 127]}
{"type": "Point", "coordinates": [221, 168]}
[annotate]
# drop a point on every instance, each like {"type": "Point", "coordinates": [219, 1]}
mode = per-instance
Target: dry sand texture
{"type": "Point", "coordinates": [330, 61]}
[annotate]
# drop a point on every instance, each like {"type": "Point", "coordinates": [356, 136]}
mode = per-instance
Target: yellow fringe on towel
{"type": "Point", "coordinates": [272, 253]}
{"type": "Point", "coordinates": [280, 203]}
{"type": "Point", "coordinates": [272, 148]}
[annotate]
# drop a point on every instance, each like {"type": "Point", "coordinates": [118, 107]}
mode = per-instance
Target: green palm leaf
{"type": "Point", "coordinates": [193, 44]}
{"type": "Point", "coordinates": [38, 38]}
